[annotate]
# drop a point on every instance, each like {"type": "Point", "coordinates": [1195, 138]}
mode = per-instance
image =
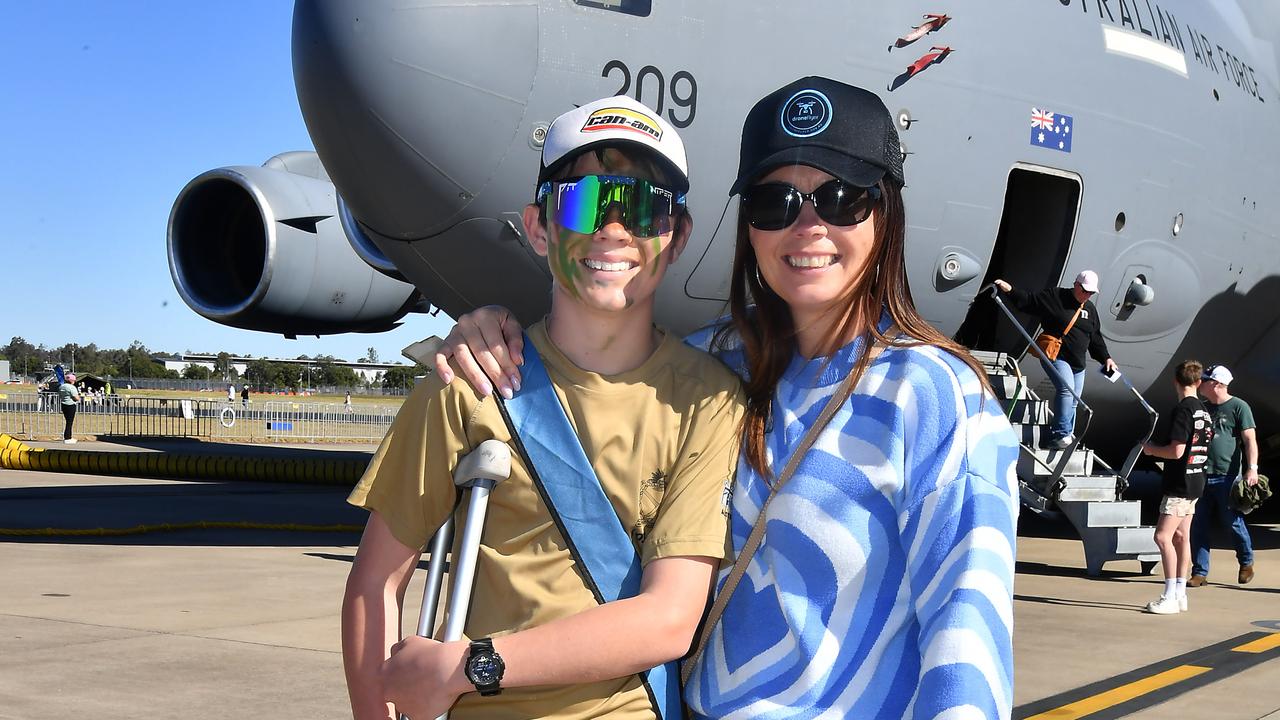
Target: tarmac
{"type": "Point", "coordinates": [244, 622]}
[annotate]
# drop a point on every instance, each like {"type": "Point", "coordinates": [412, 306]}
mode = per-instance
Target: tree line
{"type": "Point", "coordinates": [136, 362]}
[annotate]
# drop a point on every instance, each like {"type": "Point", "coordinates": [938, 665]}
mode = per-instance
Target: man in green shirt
{"type": "Point", "coordinates": [1234, 439]}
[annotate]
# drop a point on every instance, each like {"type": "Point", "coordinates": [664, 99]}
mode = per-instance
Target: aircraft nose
{"type": "Point", "coordinates": [403, 101]}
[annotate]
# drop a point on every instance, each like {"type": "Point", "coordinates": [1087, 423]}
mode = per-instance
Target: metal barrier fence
{"type": "Point", "coordinates": [302, 421]}
{"type": "Point", "coordinates": [220, 386]}
{"type": "Point", "coordinates": [162, 417]}
{"type": "Point", "coordinates": [31, 415]}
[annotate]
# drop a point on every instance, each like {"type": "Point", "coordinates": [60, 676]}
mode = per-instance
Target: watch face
{"type": "Point", "coordinates": [485, 668]}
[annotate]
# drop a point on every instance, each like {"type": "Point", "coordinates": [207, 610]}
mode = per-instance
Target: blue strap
{"type": "Point", "coordinates": [568, 484]}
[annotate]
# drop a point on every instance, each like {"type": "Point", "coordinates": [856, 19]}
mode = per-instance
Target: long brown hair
{"type": "Point", "coordinates": [762, 319]}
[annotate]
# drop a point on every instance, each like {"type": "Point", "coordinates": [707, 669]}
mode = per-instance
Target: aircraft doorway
{"type": "Point", "coordinates": [1038, 222]}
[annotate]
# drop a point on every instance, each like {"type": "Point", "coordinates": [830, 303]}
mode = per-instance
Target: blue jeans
{"type": "Point", "coordinates": [1064, 404]}
{"type": "Point", "coordinates": [1214, 504]}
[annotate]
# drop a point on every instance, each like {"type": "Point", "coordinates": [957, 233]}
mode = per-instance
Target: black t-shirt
{"type": "Point", "coordinates": [1055, 307]}
{"type": "Point", "coordinates": [1189, 423]}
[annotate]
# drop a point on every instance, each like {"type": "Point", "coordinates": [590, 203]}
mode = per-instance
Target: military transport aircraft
{"type": "Point", "coordinates": [1041, 137]}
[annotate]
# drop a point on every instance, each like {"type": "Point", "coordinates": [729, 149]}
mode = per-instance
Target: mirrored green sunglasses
{"type": "Point", "coordinates": [582, 204]}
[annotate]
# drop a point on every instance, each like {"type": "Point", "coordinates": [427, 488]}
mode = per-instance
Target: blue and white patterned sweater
{"type": "Point", "coordinates": [883, 587]}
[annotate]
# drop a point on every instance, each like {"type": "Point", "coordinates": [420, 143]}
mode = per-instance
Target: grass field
{"type": "Point", "coordinates": [391, 401]}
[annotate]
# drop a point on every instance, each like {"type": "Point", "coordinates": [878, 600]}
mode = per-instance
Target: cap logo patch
{"type": "Point", "coordinates": [616, 118]}
{"type": "Point", "coordinates": [806, 114]}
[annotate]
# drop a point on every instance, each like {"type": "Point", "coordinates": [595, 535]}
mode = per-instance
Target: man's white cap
{"type": "Point", "coordinates": [1217, 373]}
{"type": "Point", "coordinates": [1088, 280]}
{"type": "Point", "coordinates": [610, 121]}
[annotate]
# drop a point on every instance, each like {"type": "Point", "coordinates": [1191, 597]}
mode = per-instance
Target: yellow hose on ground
{"type": "Point", "coordinates": [17, 455]}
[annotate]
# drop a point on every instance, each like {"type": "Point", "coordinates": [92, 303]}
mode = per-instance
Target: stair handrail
{"type": "Point", "coordinates": [1008, 363]}
{"type": "Point", "coordinates": [1068, 451]}
{"type": "Point", "coordinates": [1136, 452]}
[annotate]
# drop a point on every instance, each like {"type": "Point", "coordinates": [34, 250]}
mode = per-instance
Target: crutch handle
{"type": "Point", "coordinates": [479, 471]}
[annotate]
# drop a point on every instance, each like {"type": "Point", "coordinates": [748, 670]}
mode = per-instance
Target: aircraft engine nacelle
{"type": "Point", "coordinates": [263, 248]}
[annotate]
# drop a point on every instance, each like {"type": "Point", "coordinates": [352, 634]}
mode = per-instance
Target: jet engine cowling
{"type": "Point", "coordinates": [263, 248]}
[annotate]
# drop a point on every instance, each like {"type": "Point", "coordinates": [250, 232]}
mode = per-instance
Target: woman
{"type": "Point", "coordinates": [69, 396]}
{"type": "Point", "coordinates": [883, 585]}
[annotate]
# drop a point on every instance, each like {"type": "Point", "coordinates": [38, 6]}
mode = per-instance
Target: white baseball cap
{"type": "Point", "coordinates": [1088, 280]}
{"type": "Point", "coordinates": [1217, 373]}
{"type": "Point", "coordinates": [610, 121]}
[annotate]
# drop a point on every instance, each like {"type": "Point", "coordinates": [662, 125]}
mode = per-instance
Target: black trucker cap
{"type": "Point", "coordinates": [839, 128]}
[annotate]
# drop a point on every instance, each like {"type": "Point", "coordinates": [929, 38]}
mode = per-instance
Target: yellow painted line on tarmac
{"type": "Point", "coordinates": [1261, 645]}
{"type": "Point", "coordinates": [1124, 693]}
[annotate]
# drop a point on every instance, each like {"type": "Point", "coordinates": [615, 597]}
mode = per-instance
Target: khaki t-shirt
{"type": "Point", "coordinates": [663, 441]}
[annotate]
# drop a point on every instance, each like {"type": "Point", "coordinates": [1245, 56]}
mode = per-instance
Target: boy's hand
{"type": "Point", "coordinates": [424, 678]}
{"type": "Point", "coordinates": [485, 343]}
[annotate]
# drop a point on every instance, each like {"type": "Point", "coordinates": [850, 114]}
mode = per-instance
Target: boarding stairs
{"type": "Point", "coordinates": [1072, 482]}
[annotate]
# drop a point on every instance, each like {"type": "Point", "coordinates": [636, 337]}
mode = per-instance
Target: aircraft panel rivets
{"type": "Point", "coordinates": [1177, 224]}
{"type": "Point", "coordinates": [538, 136]}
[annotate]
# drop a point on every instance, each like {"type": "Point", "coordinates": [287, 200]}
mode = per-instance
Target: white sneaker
{"type": "Point", "coordinates": [69, 441]}
{"type": "Point", "coordinates": [1064, 442]}
{"type": "Point", "coordinates": [1163, 605]}
{"type": "Point", "coordinates": [1182, 603]}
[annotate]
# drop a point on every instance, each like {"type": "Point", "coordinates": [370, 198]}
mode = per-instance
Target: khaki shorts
{"type": "Point", "coordinates": [1177, 506]}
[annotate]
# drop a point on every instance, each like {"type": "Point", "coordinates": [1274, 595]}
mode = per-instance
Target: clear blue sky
{"type": "Point", "coordinates": [109, 109]}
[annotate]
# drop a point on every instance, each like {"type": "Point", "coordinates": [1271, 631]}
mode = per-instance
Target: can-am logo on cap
{"type": "Point", "coordinates": [806, 114]}
{"type": "Point", "coordinates": [616, 118]}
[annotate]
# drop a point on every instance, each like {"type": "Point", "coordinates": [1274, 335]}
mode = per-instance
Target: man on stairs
{"type": "Point", "coordinates": [1072, 326]}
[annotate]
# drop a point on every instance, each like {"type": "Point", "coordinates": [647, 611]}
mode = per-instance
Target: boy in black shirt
{"type": "Point", "coordinates": [1185, 451]}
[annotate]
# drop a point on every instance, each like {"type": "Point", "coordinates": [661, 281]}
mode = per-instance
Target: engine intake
{"type": "Point", "coordinates": [263, 248]}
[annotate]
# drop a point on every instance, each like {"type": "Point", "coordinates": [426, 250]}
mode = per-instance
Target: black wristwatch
{"type": "Point", "coordinates": [484, 667]}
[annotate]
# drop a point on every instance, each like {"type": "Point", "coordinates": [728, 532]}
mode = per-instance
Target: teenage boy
{"type": "Point", "coordinates": [1185, 450]}
{"type": "Point", "coordinates": [656, 418]}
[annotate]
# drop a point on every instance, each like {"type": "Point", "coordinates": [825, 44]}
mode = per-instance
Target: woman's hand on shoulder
{"type": "Point", "coordinates": [487, 345]}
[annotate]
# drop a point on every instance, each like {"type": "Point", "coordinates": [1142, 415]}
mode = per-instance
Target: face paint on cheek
{"type": "Point", "coordinates": [657, 255]}
{"type": "Point", "coordinates": [564, 264]}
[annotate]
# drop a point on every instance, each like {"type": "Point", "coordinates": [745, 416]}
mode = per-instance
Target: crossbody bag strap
{"type": "Point", "coordinates": [748, 551]}
{"type": "Point", "coordinates": [1073, 321]}
{"type": "Point", "coordinates": [600, 546]}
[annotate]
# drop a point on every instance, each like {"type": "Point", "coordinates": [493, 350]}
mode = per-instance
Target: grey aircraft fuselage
{"type": "Point", "coordinates": [1042, 137]}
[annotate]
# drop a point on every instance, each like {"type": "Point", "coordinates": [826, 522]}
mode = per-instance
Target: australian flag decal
{"type": "Point", "coordinates": [1051, 130]}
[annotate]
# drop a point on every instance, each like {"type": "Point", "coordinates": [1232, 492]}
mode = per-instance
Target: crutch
{"type": "Point", "coordinates": [480, 470]}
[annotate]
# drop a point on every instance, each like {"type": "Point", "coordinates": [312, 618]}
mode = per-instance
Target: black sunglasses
{"type": "Point", "coordinates": [776, 206]}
